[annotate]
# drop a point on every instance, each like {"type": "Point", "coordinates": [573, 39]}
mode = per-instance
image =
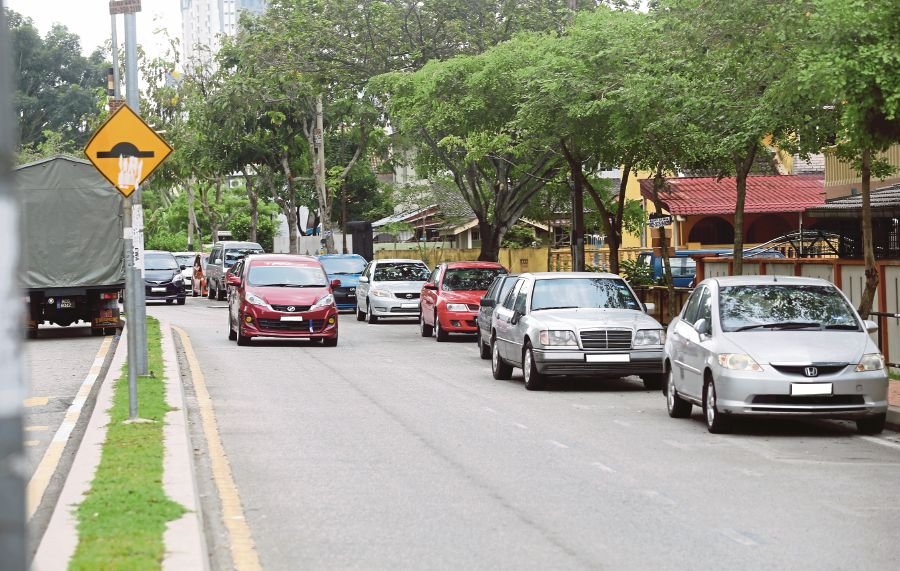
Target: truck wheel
{"type": "Point", "coordinates": [31, 333]}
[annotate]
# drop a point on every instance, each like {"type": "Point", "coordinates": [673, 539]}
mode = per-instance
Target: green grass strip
{"type": "Point", "coordinates": [123, 517]}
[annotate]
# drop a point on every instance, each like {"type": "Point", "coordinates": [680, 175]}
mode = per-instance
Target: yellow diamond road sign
{"type": "Point", "coordinates": [126, 150]}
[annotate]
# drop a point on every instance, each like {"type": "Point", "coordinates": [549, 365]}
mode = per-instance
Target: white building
{"type": "Point", "coordinates": [203, 21]}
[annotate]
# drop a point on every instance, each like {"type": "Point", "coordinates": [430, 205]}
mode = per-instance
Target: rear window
{"type": "Point", "coordinates": [160, 262]}
{"type": "Point", "coordinates": [235, 254]}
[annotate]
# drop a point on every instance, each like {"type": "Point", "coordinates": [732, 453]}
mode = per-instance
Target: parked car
{"type": "Point", "coordinates": [575, 324]}
{"type": "Point", "coordinates": [186, 261]}
{"type": "Point", "coordinates": [494, 296]}
{"type": "Point", "coordinates": [198, 283]}
{"type": "Point", "coordinates": [281, 295]}
{"type": "Point", "coordinates": [162, 277]}
{"type": "Point", "coordinates": [224, 254]}
{"type": "Point", "coordinates": [450, 298]}
{"type": "Point", "coordinates": [347, 268]}
{"type": "Point", "coordinates": [390, 288]}
{"type": "Point", "coordinates": [774, 346]}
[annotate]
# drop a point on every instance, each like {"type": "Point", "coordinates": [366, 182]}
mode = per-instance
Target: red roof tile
{"type": "Point", "coordinates": [708, 195]}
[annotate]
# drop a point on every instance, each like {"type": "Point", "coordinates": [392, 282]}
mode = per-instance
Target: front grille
{"type": "Point", "coordinates": [800, 370]}
{"type": "Point", "coordinates": [603, 369]}
{"type": "Point", "coordinates": [407, 295]}
{"type": "Point", "coordinates": [311, 325]}
{"type": "Point", "coordinates": [345, 292]}
{"type": "Point", "coordinates": [297, 308]}
{"type": "Point", "coordinates": [606, 339]}
{"type": "Point", "coordinates": [404, 310]}
{"type": "Point", "coordinates": [836, 400]}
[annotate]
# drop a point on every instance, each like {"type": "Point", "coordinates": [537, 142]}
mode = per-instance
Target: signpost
{"type": "Point", "coordinates": [126, 151]}
{"type": "Point", "coordinates": [659, 220]}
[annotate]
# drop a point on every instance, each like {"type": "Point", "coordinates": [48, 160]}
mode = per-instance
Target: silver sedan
{"type": "Point", "coordinates": [390, 288]}
{"type": "Point", "coordinates": [576, 323]}
{"type": "Point", "coordinates": [772, 346]}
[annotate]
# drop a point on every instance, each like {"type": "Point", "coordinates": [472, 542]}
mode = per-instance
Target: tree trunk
{"type": "Point", "coordinates": [612, 242]}
{"type": "Point", "coordinates": [658, 184]}
{"type": "Point", "coordinates": [491, 238]}
{"type": "Point", "coordinates": [318, 157]}
{"type": "Point", "coordinates": [618, 218]}
{"type": "Point", "coordinates": [290, 204]}
{"type": "Point", "coordinates": [742, 171]}
{"type": "Point", "coordinates": [253, 197]}
{"type": "Point", "coordinates": [868, 296]}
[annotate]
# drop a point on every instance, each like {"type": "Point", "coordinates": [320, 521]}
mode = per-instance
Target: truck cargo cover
{"type": "Point", "coordinates": [71, 225]}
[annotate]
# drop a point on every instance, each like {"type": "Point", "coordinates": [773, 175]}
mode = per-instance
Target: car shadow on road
{"type": "Point", "coordinates": [70, 332]}
{"type": "Point", "coordinates": [787, 427]}
{"type": "Point", "coordinates": [585, 385]}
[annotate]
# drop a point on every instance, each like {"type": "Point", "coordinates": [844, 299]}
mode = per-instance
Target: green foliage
{"type": "Point", "coordinates": [51, 144]}
{"type": "Point", "coordinates": [520, 236]}
{"type": "Point", "coordinates": [636, 272]}
{"type": "Point", "coordinates": [166, 241]}
{"type": "Point", "coordinates": [265, 230]}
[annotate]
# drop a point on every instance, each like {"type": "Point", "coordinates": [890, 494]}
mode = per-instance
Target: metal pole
{"type": "Point", "coordinates": [115, 57]}
{"type": "Point", "coordinates": [12, 386]}
{"type": "Point", "coordinates": [137, 220]}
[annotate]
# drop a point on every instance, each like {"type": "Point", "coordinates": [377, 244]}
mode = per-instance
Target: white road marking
{"type": "Point", "coordinates": [737, 537]}
{"type": "Point", "coordinates": [622, 423]}
{"type": "Point", "coordinates": [882, 442]}
{"type": "Point", "coordinates": [678, 445]}
{"type": "Point", "coordinates": [36, 428]}
{"type": "Point", "coordinates": [520, 425]}
{"type": "Point", "coordinates": [557, 444]}
{"type": "Point", "coordinates": [603, 467]}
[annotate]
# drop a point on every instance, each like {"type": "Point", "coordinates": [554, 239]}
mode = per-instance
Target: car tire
{"type": "Point", "coordinates": [210, 294]}
{"type": "Point", "coordinates": [439, 334]}
{"type": "Point", "coordinates": [360, 314]}
{"type": "Point", "coordinates": [424, 329]}
{"type": "Point", "coordinates": [182, 300]}
{"type": "Point", "coordinates": [676, 406]}
{"type": "Point", "coordinates": [231, 334]}
{"type": "Point", "coordinates": [221, 293]}
{"type": "Point", "coordinates": [715, 422]}
{"type": "Point", "coordinates": [653, 382]}
{"type": "Point", "coordinates": [872, 424]}
{"type": "Point", "coordinates": [371, 318]}
{"type": "Point", "coordinates": [242, 339]}
{"type": "Point", "coordinates": [170, 301]}
{"type": "Point", "coordinates": [483, 349]}
{"type": "Point", "coordinates": [330, 341]}
{"type": "Point", "coordinates": [501, 370]}
{"type": "Point", "coordinates": [534, 380]}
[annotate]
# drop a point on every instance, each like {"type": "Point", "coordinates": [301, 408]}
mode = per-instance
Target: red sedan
{"type": "Point", "coordinates": [450, 298]}
{"type": "Point", "coordinates": [280, 295]}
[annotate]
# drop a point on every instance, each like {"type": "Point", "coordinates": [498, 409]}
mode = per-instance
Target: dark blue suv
{"type": "Point", "coordinates": [347, 268]}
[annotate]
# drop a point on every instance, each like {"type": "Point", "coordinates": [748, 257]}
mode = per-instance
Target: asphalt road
{"type": "Point", "coordinates": [392, 451]}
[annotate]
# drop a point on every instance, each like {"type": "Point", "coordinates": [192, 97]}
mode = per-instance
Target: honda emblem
{"type": "Point", "coordinates": [811, 372]}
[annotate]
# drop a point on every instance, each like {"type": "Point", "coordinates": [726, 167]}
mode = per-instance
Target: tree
{"type": "Point", "coordinates": [854, 66]}
{"type": "Point", "coordinates": [464, 113]}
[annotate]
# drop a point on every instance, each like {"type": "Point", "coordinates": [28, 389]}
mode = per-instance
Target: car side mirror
{"type": "Point", "coordinates": [432, 287]}
{"type": "Point", "coordinates": [516, 316]}
{"type": "Point", "coordinates": [233, 280]}
{"type": "Point", "coordinates": [487, 302]}
{"type": "Point", "coordinates": [702, 327]}
{"type": "Point", "coordinates": [871, 326]}
{"type": "Point", "coordinates": [649, 307]}
{"type": "Point", "coordinates": [183, 267]}
{"type": "Point", "coordinates": [363, 280]}
{"type": "Point", "coordinates": [335, 284]}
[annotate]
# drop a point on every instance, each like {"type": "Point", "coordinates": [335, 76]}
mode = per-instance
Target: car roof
{"type": "Point", "coordinates": [296, 258]}
{"type": "Point", "coordinates": [411, 260]}
{"type": "Point", "coordinates": [490, 265]}
{"type": "Point", "coordinates": [332, 256]}
{"type": "Point", "coordinates": [766, 280]}
{"type": "Point", "coordinates": [237, 243]}
{"type": "Point", "coordinates": [569, 275]}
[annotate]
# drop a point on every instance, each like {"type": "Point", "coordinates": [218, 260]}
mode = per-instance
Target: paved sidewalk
{"type": "Point", "coordinates": [894, 405]}
{"type": "Point", "coordinates": [184, 539]}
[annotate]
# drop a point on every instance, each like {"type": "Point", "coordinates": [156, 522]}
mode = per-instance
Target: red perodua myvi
{"type": "Point", "coordinates": [281, 295]}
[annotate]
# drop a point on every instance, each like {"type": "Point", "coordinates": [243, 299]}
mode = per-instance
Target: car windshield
{"type": "Point", "coordinates": [400, 272]}
{"type": "Point", "coordinates": [343, 266]}
{"type": "Point", "coordinates": [557, 293]}
{"type": "Point", "coordinates": [160, 262]}
{"type": "Point", "coordinates": [683, 267]}
{"type": "Point", "coordinates": [232, 256]}
{"type": "Point", "coordinates": [470, 279]}
{"type": "Point", "coordinates": [783, 306]}
{"type": "Point", "coordinates": [287, 276]}
{"type": "Point", "coordinates": [187, 260]}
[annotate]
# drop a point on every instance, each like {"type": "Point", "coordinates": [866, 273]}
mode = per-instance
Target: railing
{"type": "Point", "coordinates": [883, 332]}
{"type": "Point", "coordinates": [659, 296]}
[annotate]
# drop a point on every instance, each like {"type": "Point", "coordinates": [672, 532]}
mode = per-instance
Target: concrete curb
{"type": "Point", "coordinates": [61, 537]}
{"type": "Point", "coordinates": [184, 538]}
{"type": "Point", "coordinates": [893, 418]}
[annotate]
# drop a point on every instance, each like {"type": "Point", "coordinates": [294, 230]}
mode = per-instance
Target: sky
{"type": "Point", "coordinates": [90, 20]}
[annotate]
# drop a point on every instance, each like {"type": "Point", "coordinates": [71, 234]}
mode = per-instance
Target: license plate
{"type": "Point", "coordinates": [158, 289]}
{"type": "Point", "coordinates": [409, 305]}
{"type": "Point", "coordinates": [291, 318]}
{"type": "Point", "coordinates": [807, 389]}
{"type": "Point", "coordinates": [66, 304]}
{"type": "Point", "coordinates": [618, 358]}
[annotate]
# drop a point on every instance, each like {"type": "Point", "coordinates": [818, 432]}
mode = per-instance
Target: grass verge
{"type": "Point", "coordinates": [123, 517]}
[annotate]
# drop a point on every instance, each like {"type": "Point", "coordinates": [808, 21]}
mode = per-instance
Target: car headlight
{"type": "Point", "coordinates": [646, 337]}
{"type": "Point", "coordinates": [738, 362]}
{"type": "Point", "coordinates": [256, 300]}
{"type": "Point", "coordinates": [323, 301]}
{"type": "Point", "coordinates": [379, 293]}
{"type": "Point", "coordinates": [178, 279]}
{"type": "Point", "coordinates": [870, 362]}
{"type": "Point", "coordinates": [558, 338]}
{"type": "Point", "coordinates": [457, 307]}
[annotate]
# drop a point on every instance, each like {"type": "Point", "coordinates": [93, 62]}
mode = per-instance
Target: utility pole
{"type": "Point", "coordinates": [12, 385]}
{"type": "Point", "coordinates": [322, 189]}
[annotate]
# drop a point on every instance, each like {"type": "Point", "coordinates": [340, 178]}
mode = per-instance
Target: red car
{"type": "Point", "coordinates": [281, 295]}
{"type": "Point", "coordinates": [450, 298]}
